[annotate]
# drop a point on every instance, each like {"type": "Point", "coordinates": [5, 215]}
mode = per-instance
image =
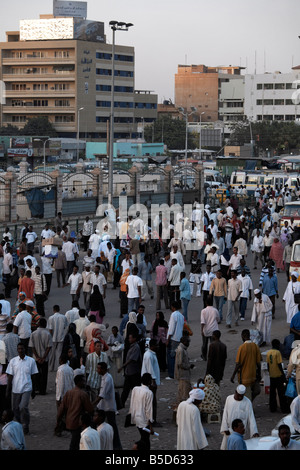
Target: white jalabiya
{"type": "Point", "coordinates": [235, 409]}
{"type": "Point", "coordinates": [262, 316]}
{"type": "Point", "coordinates": [190, 433]}
{"type": "Point", "coordinates": [290, 307]}
{"type": "Point", "coordinates": [106, 434]}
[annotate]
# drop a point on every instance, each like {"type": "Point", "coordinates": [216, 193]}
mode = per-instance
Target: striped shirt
{"type": "Point", "coordinates": [92, 360]}
{"type": "Point", "coordinates": [11, 341]}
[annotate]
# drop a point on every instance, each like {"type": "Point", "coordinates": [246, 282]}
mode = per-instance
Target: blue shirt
{"type": "Point", "coordinates": [185, 290]}
{"type": "Point", "coordinates": [236, 442]}
{"type": "Point", "coordinates": [270, 285]}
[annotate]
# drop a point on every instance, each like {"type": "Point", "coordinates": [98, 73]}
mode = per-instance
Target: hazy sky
{"type": "Point", "coordinates": [171, 32]}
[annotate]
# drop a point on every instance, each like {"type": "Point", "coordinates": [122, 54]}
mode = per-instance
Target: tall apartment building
{"type": "Point", "coordinates": [61, 68]}
{"type": "Point", "coordinates": [273, 96]}
{"type": "Point", "coordinates": [200, 86]}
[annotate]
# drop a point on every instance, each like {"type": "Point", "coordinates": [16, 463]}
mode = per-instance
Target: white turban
{"type": "Point", "coordinates": [257, 291]}
{"type": "Point", "coordinates": [294, 273]}
{"type": "Point", "coordinates": [196, 394]}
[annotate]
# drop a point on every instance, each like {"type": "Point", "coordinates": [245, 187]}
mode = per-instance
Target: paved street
{"type": "Point", "coordinates": [43, 408]}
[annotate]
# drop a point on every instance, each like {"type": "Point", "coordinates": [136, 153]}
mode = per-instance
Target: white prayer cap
{"type": "Point", "coordinates": [294, 273]}
{"type": "Point", "coordinates": [207, 206]}
{"type": "Point", "coordinates": [295, 343]}
{"type": "Point", "coordinates": [257, 291]}
{"type": "Point", "coordinates": [29, 303]}
{"type": "Point", "coordinates": [241, 389]}
{"type": "Point", "coordinates": [196, 394]}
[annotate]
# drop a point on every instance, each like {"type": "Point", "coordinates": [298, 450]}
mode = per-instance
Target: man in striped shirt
{"type": "Point", "coordinates": [91, 365]}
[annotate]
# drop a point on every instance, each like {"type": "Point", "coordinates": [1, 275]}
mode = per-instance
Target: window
{"type": "Point", "coordinates": [268, 86]}
{"type": "Point", "coordinates": [259, 86]}
{"type": "Point", "coordinates": [62, 103]}
{"type": "Point", "coordinates": [268, 102]}
{"type": "Point", "coordinates": [62, 54]}
{"type": "Point", "coordinates": [279, 117]}
{"type": "Point", "coordinates": [289, 102]}
{"type": "Point", "coordinates": [279, 86]}
{"type": "Point", "coordinates": [258, 102]}
{"type": "Point", "coordinates": [103, 72]}
{"type": "Point", "coordinates": [279, 102]}
{"type": "Point", "coordinates": [64, 119]}
{"type": "Point", "coordinates": [40, 86]}
{"type": "Point", "coordinates": [40, 103]}
{"type": "Point", "coordinates": [61, 86]}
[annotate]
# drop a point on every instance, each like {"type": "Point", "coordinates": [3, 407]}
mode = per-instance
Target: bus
{"type": "Point", "coordinates": [251, 179]}
{"type": "Point", "coordinates": [291, 210]}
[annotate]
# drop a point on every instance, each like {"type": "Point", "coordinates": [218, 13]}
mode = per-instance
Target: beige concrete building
{"type": "Point", "coordinates": [61, 68]}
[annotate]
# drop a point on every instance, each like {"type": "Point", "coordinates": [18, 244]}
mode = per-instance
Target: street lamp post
{"type": "Point", "coordinates": [78, 130]}
{"type": "Point", "coordinates": [115, 26]}
{"type": "Point", "coordinates": [186, 115]}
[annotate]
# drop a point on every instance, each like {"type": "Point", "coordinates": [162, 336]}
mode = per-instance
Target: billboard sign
{"type": "Point", "coordinates": [72, 9]}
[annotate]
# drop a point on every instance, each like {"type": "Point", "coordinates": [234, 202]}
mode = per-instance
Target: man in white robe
{"type": "Point", "coordinates": [292, 288]}
{"type": "Point", "coordinates": [237, 406]}
{"type": "Point", "coordinates": [190, 433]}
{"type": "Point", "coordinates": [262, 315]}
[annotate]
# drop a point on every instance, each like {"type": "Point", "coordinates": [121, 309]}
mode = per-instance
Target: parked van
{"type": "Point", "coordinates": [290, 211]}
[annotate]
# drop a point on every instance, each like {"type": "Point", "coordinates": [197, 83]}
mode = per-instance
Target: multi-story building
{"type": "Point", "coordinates": [61, 68]}
{"type": "Point", "coordinates": [201, 87]}
{"type": "Point", "coordinates": [273, 96]}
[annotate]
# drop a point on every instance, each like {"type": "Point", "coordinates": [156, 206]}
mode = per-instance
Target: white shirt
{"type": "Point", "coordinates": [64, 381]}
{"type": "Point", "coordinates": [141, 406]}
{"type": "Point", "coordinates": [235, 261]}
{"type": "Point", "coordinates": [176, 326]}
{"type": "Point", "coordinates": [133, 282]}
{"type": "Point", "coordinates": [107, 392]}
{"type": "Point", "coordinates": [22, 370]}
{"type": "Point", "coordinates": [23, 322]}
{"type": "Point", "coordinates": [209, 317]}
{"type": "Point", "coordinates": [74, 280]}
{"type": "Point", "coordinates": [106, 434]}
{"type": "Point", "coordinates": [7, 261]}
{"type": "Point", "coordinates": [98, 280]}
{"type": "Point", "coordinates": [206, 278]}
{"type": "Point", "coordinates": [69, 249]}
{"type": "Point", "coordinates": [150, 365]}
{"type": "Point", "coordinates": [246, 285]}
{"type": "Point", "coordinates": [31, 237]}
{"type": "Point", "coordinates": [72, 315]}
{"type": "Point", "coordinates": [89, 439]}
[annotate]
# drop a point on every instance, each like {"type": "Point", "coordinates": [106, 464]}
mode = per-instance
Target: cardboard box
{"type": "Point", "coordinates": [54, 241]}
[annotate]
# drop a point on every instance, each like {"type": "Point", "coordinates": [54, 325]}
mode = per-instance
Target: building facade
{"type": "Point", "coordinates": [273, 96]}
{"type": "Point", "coordinates": [200, 86]}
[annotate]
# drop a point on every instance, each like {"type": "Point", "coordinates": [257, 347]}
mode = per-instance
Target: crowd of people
{"type": "Point", "coordinates": [100, 368]}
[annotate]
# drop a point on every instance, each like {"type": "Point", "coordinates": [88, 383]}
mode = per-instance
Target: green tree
{"type": "Point", "coordinates": [9, 130]}
{"type": "Point", "coordinates": [39, 126]}
{"type": "Point", "coordinates": [172, 132]}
